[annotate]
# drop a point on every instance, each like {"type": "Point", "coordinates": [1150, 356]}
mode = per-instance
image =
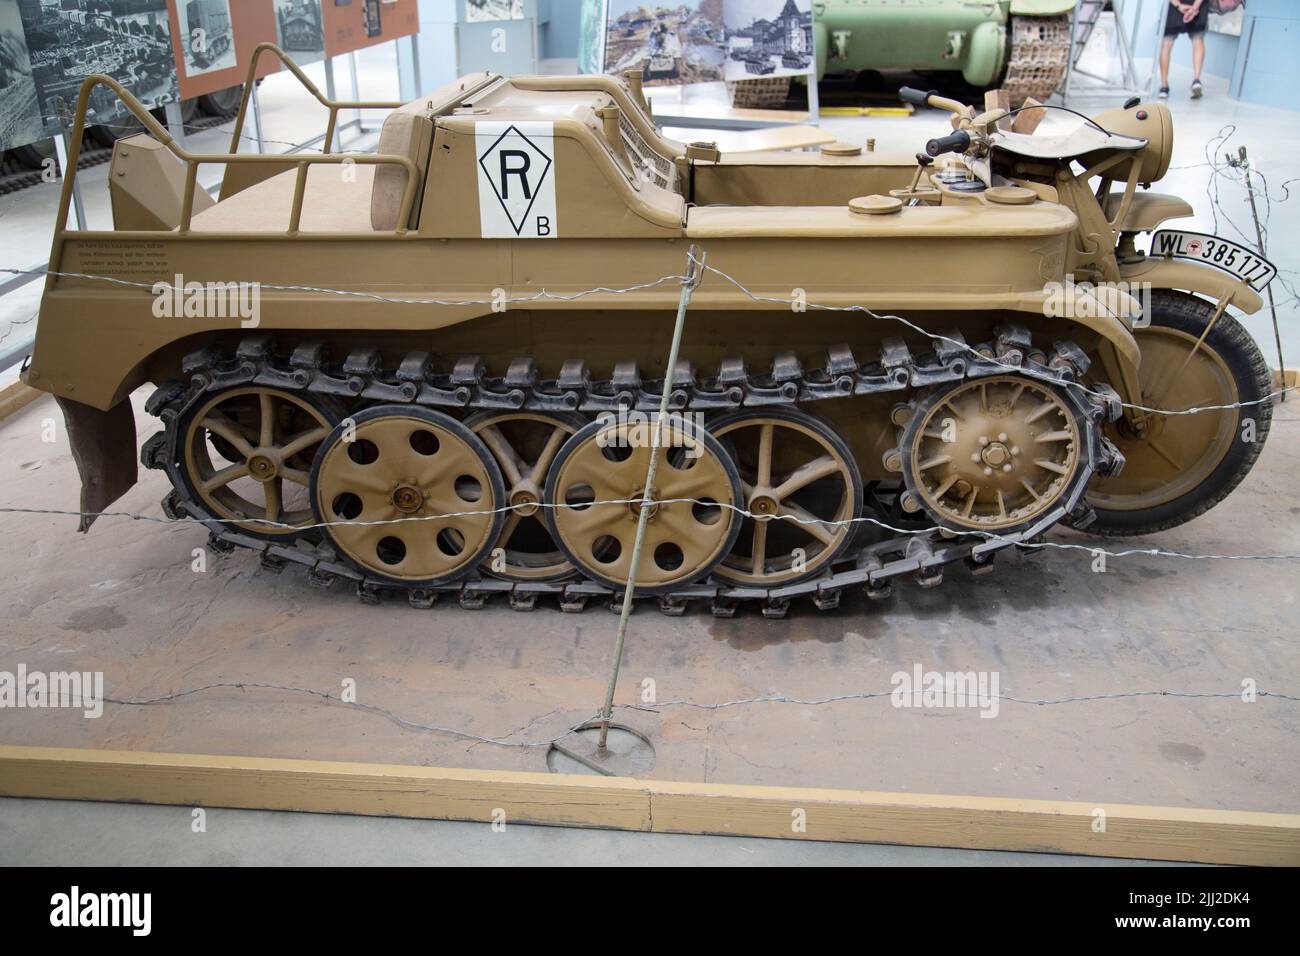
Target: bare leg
{"type": "Point", "coordinates": [1198, 54]}
{"type": "Point", "coordinates": [1166, 50]}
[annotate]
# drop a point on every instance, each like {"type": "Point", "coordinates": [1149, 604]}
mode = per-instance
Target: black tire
{"type": "Point", "coordinates": [222, 102]}
{"type": "Point", "coordinates": [1254, 382]}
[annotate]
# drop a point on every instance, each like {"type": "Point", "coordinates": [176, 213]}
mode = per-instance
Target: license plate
{"type": "Point", "coordinates": [1221, 253]}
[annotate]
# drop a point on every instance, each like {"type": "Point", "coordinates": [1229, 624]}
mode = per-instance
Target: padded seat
{"type": "Point", "coordinates": [330, 203]}
{"type": "Point", "coordinates": [370, 201]}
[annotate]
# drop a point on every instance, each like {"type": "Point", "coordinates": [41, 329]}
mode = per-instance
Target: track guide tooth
{"type": "Point", "coordinates": [1069, 357]}
{"type": "Point", "coordinates": [574, 375]}
{"type": "Point", "coordinates": [255, 348]}
{"type": "Point", "coordinates": [840, 361]}
{"type": "Point", "coordinates": [571, 603]}
{"type": "Point", "coordinates": [415, 368]}
{"type": "Point", "coordinates": [723, 608]}
{"type": "Point", "coordinates": [894, 353]}
{"type": "Point", "coordinates": [523, 600]}
{"type": "Point", "coordinates": [952, 346]}
{"type": "Point", "coordinates": [319, 579]}
{"type": "Point", "coordinates": [165, 400]}
{"type": "Point", "coordinates": [1012, 343]}
{"type": "Point", "coordinates": [361, 362]}
{"type": "Point", "coordinates": [786, 368]}
{"type": "Point", "coordinates": [627, 376]}
{"type": "Point", "coordinates": [684, 373]}
{"type": "Point", "coordinates": [153, 453]}
{"type": "Point", "coordinates": [218, 544]}
{"type": "Point", "coordinates": [201, 360]}
{"type": "Point", "coordinates": [522, 373]}
{"type": "Point", "coordinates": [468, 371]}
{"type": "Point", "coordinates": [310, 356]}
{"type": "Point", "coordinates": [671, 605]}
{"type": "Point", "coordinates": [732, 371]}
{"type": "Point", "coordinates": [826, 599]}
{"type": "Point", "coordinates": [930, 577]}
{"type": "Point", "coordinates": [421, 598]}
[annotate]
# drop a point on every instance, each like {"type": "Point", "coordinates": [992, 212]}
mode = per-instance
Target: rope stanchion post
{"type": "Point", "coordinates": [1259, 238]}
{"type": "Point", "coordinates": [694, 272]}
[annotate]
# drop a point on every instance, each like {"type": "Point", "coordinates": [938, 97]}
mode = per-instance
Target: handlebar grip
{"type": "Point", "coordinates": [957, 142]}
{"type": "Point", "coordinates": [916, 97]}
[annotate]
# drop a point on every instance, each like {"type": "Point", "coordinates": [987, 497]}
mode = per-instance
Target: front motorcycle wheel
{"type": "Point", "coordinates": [1180, 466]}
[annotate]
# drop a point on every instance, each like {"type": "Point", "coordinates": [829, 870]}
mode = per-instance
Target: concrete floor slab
{"type": "Point", "coordinates": [124, 600]}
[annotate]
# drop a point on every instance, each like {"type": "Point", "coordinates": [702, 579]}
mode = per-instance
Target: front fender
{"type": "Point", "coordinates": [1193, 277]}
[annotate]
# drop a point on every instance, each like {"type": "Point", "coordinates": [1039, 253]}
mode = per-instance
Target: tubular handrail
{"type": "Point", "coordinates": [194, 160]}
{"type": "Point", "coordinates": [332, 105]}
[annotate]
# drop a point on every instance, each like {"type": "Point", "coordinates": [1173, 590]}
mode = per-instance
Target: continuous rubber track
{"type": "Point", "coordinates": [362, 378]}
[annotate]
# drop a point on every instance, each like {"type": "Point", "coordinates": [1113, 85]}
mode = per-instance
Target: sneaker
{"type": "Point", "coordinates": [1196, 89]}
{"type": "Point", "coordinates": [1164, 93]}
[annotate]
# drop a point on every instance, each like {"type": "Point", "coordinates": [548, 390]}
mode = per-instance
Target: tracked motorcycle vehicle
{"type": "Point", "coordinates": [429, 369]}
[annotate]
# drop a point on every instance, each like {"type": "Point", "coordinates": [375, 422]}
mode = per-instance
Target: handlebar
{"type": "Point", "coordinates": [957, 142]}
{"type": "Point", "coordinates": [916, 97]}
{"type": "Point", "coordinates": [932, 98]}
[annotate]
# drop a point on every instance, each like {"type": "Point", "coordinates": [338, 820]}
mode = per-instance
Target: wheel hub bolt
{"type": "Point", "coordinates": [636, 503]}
{"type": "Point", "coordinates": [261, 467]}
{"type": "Point", "coordinates": [523, 503]}
{"type": "Point", "coordinates": [996, 454]}
{"type": "Point", "coordinates": [407, 499]}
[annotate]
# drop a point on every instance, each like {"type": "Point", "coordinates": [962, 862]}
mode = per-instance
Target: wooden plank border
{"type": "Point", "coordinates": [435, 793]}
{"type": "Point", "coordinates": [16, 396]}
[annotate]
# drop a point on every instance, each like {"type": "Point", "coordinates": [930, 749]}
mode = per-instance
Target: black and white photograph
{"type": "Point", "coordinates": [768, 38]}
{"type": "Point", "coordinates": [20, 119]}
{"type": "Point", "coordinates": [671, 46]}
{"type": "Point", "coordinates": [298, 29]}
{"type": "Point", "coordinates": [371, 18]}
{"type": "Point", "coordinates": [129, 40]}
{"type": "Point", "coordinates": [207, 35]}
{"type": "Point", "coordinates": [479, 11]}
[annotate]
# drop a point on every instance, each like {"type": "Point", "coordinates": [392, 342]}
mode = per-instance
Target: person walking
{"type": "Point", "coordinates": [1191, 18]}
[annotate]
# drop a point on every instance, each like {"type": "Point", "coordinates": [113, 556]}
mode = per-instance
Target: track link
{"type": "Point", "coordinates": [1039, 59]}
{"type": "Point", "coordinates": [362, 377]}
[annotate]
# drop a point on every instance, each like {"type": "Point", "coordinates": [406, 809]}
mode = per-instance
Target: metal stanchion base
{"type": "Point", "coordinates": [627, 753]}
